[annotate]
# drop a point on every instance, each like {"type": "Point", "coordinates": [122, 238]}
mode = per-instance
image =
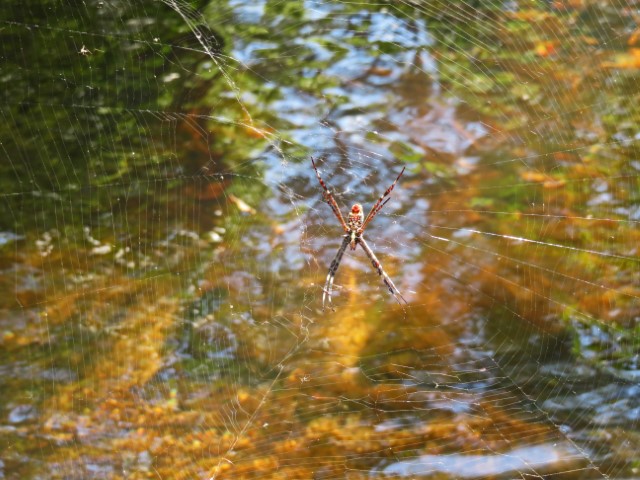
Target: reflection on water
{"type": "Point", "coordinates": [535, 460]}
{"type": "Point", "coordinates": [165, 241]}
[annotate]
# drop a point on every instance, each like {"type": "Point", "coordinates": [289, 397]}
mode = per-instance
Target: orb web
{"type": "Point", "coordinates": [165, 241]}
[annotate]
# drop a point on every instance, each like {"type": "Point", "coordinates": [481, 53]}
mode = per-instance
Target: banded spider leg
{"type": "Point", "coordinates": [378, 267]}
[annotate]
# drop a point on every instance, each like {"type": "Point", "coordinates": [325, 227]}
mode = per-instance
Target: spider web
{"type": "Point", "coordinates": [165, 243]}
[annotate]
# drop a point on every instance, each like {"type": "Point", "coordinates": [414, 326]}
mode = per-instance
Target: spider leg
{"type": "Point", "coordinates": [333, 269]}
{"type": "Point", "coordinates": [379, 204]}
{"type": "Point", "coordinates": [327, 197]}
{"type": "Point", "coordinates": [378, 266]}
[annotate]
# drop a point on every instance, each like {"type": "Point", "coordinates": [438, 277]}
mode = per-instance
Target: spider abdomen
{"type": "Point", "coordinates": [354, 222]}
{"type": "Point", "coordinates": [356, 217]}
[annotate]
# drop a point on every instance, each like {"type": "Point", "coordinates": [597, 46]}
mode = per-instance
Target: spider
{"type": "Point", "coordinates": [354, 228]}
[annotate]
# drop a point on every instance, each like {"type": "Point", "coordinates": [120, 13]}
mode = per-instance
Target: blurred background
{"type": "Point", "coordinates": [164, 243]}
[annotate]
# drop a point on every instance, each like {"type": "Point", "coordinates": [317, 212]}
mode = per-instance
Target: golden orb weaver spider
{"type": "Point", "coordinates": [354, 228]}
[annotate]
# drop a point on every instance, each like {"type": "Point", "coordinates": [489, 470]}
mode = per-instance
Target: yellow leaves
{"type": "Point", "coordinates": [242, 205]}
{"type": "Point", "coordinates": [634, 37]}
{"type": "Point", "coordinates": [530, 176]}
{"type": "Point", "coordinates": [243, 396]}
{"type": "Point", "coordinates": [547, 181]}
{"type": "Point", "coordinates": [628, 60]}
{"type": "Point", "coordinates": [561, 5]}
{"type": "Point", "coordinates": [545, 48]}
{"type": "Point", "coordinates": [531, 15]}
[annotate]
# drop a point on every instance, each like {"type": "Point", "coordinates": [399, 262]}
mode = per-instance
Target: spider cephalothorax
{"type": "Point", "coordinates": [354, 228]}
